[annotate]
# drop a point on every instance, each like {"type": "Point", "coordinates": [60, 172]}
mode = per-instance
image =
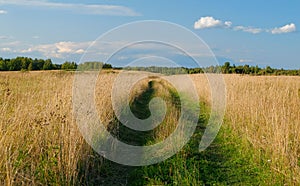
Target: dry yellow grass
{"type": "Point", "coordinates": [266, 112]}
{"type": "Point", "coordinates": [40, 142]}
{"type": "Point", "coordinates": [104, 89]}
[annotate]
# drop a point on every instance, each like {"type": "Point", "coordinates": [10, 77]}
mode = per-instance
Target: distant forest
{"type": "Point", "coordinates": [29, 64]}
{"type": "Point", "coordinates": [227, 68]}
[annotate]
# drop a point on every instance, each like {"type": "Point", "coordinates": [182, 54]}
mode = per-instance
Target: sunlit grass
{"type": "Point", "coordinates": [41, 144]}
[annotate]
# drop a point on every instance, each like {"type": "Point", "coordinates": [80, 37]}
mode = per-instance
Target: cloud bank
{"type": "Point", "coordinates": [211, 22]}
{"type": "Point", "coordinates": [95, 9]}
{"type": "Point", "coordinates": [58, 50]}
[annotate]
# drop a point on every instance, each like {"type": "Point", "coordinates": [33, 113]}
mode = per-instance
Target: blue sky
{"type": "Point", "coordinates": [252, 32]}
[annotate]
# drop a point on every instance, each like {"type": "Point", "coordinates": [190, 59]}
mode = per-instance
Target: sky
{"type": "Point", "coordinates": [263, 33]}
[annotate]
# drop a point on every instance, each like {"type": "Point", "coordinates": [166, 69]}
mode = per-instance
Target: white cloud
{"type": "Point", "coordinates": [228, 23]}
{"type": "Point", "coordinates": [58, 50]}
{"type": "Point", "coordinates": [245, 60]}
{"type": "Point", "coordinates": [66, 49]}
{"type": "Point", "coordinates": [3, 12]}
{"type": "Point", "coordinates": [249, 29]}
{"type": "Point", "coordinates": [11, 44]}
{"type": "Point", "coordinates": [284, 29]}
{"type": "Point", "coordinates": [210, 22]}
{"type": "Point", "coordinates": [79, 8]}
{"type": "Point", "coordinates": [79, 51]}
{"type": "Point", "coordinates": [6, 50]}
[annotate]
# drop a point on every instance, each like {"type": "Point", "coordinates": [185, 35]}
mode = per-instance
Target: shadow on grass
{"type": "Point", "coordinates": [219, 164]}
{"type": "Point", "coordinates": [111, 173]}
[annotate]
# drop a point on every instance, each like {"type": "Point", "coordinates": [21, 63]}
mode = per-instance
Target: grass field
{"type": "Point", "coordinates": [258, 144]}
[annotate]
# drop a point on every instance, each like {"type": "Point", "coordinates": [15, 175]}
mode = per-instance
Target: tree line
{"type": "Point", "coordinates": [227, 68]}
{"type": "Point", "coordinates": [26, 63]}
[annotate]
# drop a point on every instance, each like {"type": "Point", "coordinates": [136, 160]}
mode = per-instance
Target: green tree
{"type": "Point", "coordinates": [25, 63]}
{"type": "Point", "coordinates": [3, 65]}
{"type": "Point", "coordinates": [226, 68]}
{"type": "Point", "coordinates": [40, 64]}
{"type": "Point", "coordinates": [269, 70]}
{"type": "Point", "coordinates": [48, 65]}
{"type": "Point", "coordinates": [107, 66]}
{"type": "Point", "coordinates": [246, 69]}
{"type": "Point", "coordinates": [15, 64]}
{"type": "Point", "coordinates": [69, 66]}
